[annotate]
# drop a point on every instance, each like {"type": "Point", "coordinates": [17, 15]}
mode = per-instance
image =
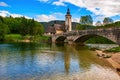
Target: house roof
{"type": "Point", "coordinates": [55, 27]}
{"type": "Point", "coordinates": [50, 29]}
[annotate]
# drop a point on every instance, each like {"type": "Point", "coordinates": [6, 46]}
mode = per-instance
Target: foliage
{"type": "Point", "coordinates": [18, 37]}
{"type": "Point", "coordinates": [85, 23]}
{"type": "Point", "coordinates": [79, 27]}
{"type": "Point", "coordinates": [3, 29]}
{"type": "Point", "coordinates": [116, 24]}
{"type": "Point", "coordinates": [107, 20]}
{"type": "Point", "coordinates": [23, 26]}
{"type": "Point", "coordinates": [37, 30]}
{"type": "Point", "coordinates": [13, 37]}
{"type": "Point", "coordinates": [44, 38]}
{"type": "Point", "coordinates": [19, 25]}
{"type": "Point", "coordinates": [115, 49]}
{"type": "Point", "coordinates": [86, 20]}
{"type": "Point", "coordinates": [39, 38]}
{"type": "Point", "coordinates": [99, 39]}
{"type": "Point", "coordinates": [83, 27]}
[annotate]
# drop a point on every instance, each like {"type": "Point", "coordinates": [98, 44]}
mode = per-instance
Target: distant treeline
{"type": "Point", "coordinates": [115, 24]}
{"type": "Point", "coordinates": [83, 27]}
{"type": "Point", "coordinates": [19, 25]}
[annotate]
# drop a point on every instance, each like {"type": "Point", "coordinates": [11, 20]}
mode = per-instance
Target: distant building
{"type": "Point", "coordinates": [56, 28]}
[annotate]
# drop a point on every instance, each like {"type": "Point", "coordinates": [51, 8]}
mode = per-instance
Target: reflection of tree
{"type": "Point", "coordinates": [25, 50]}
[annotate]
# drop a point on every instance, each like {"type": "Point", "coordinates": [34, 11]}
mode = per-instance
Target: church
{"type": "Point", "coordinates": [58, 28]}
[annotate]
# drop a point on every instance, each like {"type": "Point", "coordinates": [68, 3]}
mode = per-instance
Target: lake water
{"type": "Point", "coordinates": [30, 61]}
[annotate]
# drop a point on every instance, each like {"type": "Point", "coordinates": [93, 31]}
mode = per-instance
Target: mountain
{"type": "Point", "coordinates": [47, 24]}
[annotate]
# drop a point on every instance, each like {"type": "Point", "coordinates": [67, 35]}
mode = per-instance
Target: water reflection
{"type": "Point", "coordinates": [24, 61]}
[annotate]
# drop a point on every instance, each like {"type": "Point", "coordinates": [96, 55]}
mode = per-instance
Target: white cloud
{"type": "Point", "coordinates": [3, 4]}
{"type": "Point", "coordinates": [106, 8]}
{"type": "Point", "coordinates": [47, 18]}
{"type": "Point", "coordinates": [76, 20]}
{"type": "Point", "coordinates": [53, 16]}
{"type": "Point", "coordinates": [59, 3]}
{"type": "Point", "coordinates": [6, 13]}
{"type": "Point", "coordinates": [59, 16]}
{"type": "Point", "coordinates": [44, 18]}
{"type": "Point", "coordinates": [40, 18]}
{"type": "Point", "coordinates": [43, 0]}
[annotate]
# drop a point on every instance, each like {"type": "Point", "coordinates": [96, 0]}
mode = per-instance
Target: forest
{"type": "Point", "coordinates": [19, 27]}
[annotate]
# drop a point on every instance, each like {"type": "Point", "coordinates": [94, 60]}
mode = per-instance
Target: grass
{"type": "Point", "coordinates": [13, 37]}
{"type": "Point", "coordinates": [115, 49]}
{"type": "Point", "coordinates": [44, 37]}
{"type": "Point", "coordinates": [41, 38]}
{"type": "Point", "coordinates": [18, 37]}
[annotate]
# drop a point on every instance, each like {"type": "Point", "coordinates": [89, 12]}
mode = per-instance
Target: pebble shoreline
{"type": "Point", "coordinates": [114, 59]}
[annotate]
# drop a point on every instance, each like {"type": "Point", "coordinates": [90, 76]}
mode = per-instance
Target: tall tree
{"type": "Point", "coordinates": [38, 29]}
{"type": "Point", "coordinates": [24, 29]}
{"type": "Point", "coordinates": [3, 29]}
{"type": "Point", "coordinates": [107, 20]}
{"type": "Point", "coordinates": [86, 20]}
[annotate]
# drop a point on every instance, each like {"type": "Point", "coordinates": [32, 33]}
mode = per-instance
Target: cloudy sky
{"type": "Point", "coordinates": [46, 10]}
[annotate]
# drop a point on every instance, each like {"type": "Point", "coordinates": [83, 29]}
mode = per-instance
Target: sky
{"type": "Point", "coordinates": [47, 10]}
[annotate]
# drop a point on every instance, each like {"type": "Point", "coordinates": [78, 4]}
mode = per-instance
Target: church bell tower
{"type": "Point", "coordinates": [68, 23]}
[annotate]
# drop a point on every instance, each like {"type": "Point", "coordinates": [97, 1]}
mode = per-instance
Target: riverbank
{"type": "Point", "coordinates": [112, 57]}
{"type": "Point", "coordinates": [26, 38]}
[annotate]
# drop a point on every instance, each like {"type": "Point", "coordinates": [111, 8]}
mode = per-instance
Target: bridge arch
{"type": "Point", "coordinates": [60, 39]}
{"type": "Point", "coordinates": [83, 38]}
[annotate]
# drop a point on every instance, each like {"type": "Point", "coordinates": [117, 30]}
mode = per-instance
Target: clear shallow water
{"type": "Point", "coordinates": [29, 61]}
{"type": "Point", "coordinates": [102, 46]}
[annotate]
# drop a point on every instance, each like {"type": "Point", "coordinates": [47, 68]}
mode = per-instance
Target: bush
{"type": "Point", "coordinates": [115, 49]}
{"type": "Point", "coordinates": [13, 37]}
{"type": "Point", "coordinates": [99, 40]}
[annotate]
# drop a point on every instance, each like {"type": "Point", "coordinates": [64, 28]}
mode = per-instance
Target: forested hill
{"type": "Point", "coordinates": [47, 24]}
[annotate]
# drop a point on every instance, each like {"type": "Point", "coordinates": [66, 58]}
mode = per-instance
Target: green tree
{"type": "Point", "coordinates": [21, 25]}
{"type": "Point", "coordinates": [107, 20]}
{"type": "Point", "coordinates": [38, 29]}
{"type": "Point", "coordinates": [3, 29]}
{"type": "Point", "coordinates": [31, 26]}
{"type": "Point", "coordinates": [117, 24]}
{"type": "Point", "coordinates": [13, 24]}
{"type": "Point", "coordinates": [86, 20]}
{"type": "Point", "coordinates": [79, 27]}
{"type": "Point", "coordinates": [24, 29]}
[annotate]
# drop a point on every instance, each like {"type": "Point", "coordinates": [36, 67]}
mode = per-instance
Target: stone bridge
{"type": "Point", "coordinates": [81, 36]}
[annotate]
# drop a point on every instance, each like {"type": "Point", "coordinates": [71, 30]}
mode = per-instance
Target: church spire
{"type": "Point", "coordinates": [68, 11]}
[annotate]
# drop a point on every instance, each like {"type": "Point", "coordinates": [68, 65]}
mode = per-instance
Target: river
{"type": "Point", "coordinates": [30, 61]}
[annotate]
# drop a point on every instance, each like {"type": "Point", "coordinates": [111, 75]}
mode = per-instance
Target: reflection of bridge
{"type": "Point", "coordinates": [112, 34]}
